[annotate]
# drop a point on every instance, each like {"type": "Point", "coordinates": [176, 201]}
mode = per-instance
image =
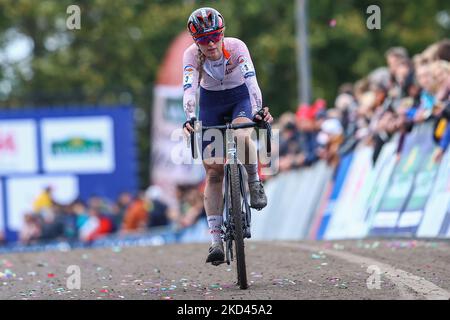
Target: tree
{"type": "Point", "coordinates": [115, 56]}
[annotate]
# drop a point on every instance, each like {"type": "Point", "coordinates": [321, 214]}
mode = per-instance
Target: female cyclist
{"type": "Point", "coordinates": [228, 88]}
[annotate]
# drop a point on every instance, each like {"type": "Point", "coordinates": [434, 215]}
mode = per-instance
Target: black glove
{"type": "Point", "coordinates": [191, 122]}
{"type": "Point", "coordinates": [261, 114]}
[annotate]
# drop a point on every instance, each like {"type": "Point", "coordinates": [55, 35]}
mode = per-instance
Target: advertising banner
{"type": "Point", "coordinates": [436, 217]}
{"type": "Point", "coordinates": [378, 181]}
{"type": "Point", "coordinates": [363, 187]}
{"type": "Point", "coordinates": [78, 145]}
{"type": "Point", "coordinates": [423, 184]}
{"type": "Point", "coordinates": [22, 192]}
{"type": "Point", "coordinates": [292, 200]}
{"type": "Point", "coordinates": [399, 188]}
{"type": "Point", "coordinates": [18, 147]}
{"type": "Point", "coordinates": [344, 221]}
{"type": "Point", "coordinates": [339, 181]}
{"type": "Point", "coordinates": [402, 206]}
{"type": "Point", "coordinates": [2, 208]}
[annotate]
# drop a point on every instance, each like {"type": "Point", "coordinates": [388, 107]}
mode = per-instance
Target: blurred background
{"type": "Point", "coordinates": [87, 117]}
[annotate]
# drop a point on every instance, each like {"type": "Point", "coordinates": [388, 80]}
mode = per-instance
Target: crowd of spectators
{"type": "Point", "coordinates": [390, 100]}
{"type": "Point", "coordinates": [98, 217]}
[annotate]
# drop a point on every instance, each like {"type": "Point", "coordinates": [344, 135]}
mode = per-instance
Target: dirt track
{"type": "Point", "coordinates": [276, 270]}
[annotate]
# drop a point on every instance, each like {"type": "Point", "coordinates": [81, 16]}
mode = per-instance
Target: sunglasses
{"type": "Point", "coordinates": [214, 37]}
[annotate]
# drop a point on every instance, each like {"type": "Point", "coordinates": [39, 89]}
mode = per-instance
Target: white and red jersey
{"type": "Point", "coordinates": [237, 69]}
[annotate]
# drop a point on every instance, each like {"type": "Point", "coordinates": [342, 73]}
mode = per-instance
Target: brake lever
{"type": "Point", "coordinates": [193, 149]}
{"type": "Point", "coordinates": [268, 128]}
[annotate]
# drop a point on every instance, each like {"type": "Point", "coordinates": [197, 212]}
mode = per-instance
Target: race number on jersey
{"type": "Point", "coordinates": [246, 67]}
{"type": "Point", "coordinates": [188, 77]}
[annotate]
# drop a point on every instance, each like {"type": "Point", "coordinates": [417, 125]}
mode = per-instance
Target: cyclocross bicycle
{"type": "Point", "coordinates": [237, 219]}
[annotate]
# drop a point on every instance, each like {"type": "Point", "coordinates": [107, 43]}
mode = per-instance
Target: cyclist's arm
{"type": "Point", "coordinates": [190, 83]}
{"type": "Point", "coordinates": [249, 74]}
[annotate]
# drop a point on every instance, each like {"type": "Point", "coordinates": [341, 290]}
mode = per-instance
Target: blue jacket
{"type": "Point", "coordinates": [445, 140]}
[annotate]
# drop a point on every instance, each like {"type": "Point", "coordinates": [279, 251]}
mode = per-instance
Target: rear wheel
{"type": "Point", "coordinates": [236, 213]}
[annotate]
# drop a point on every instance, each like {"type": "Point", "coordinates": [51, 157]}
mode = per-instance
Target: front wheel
{"type": "Point", "coordinates": [236, 214]}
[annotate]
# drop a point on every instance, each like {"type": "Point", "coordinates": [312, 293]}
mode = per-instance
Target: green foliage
{"type": "Point", "coordinates": [115, 56]}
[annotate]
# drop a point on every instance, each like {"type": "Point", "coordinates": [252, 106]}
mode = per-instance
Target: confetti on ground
{"type": "Point", "coordinates": [7, 274]}
{"type": "Point", "coordinates": [116, 249]}
{"type": "Point", "coordinates": [256, 275]}
{"type": "Point", "coordinates": [338, 246]}
{"type": "Point", "coordinates": [283, 282]}
{"type": "Point", "coordinates": [7, 263]}
{"type": "Point", "coordinates": [319, 255]}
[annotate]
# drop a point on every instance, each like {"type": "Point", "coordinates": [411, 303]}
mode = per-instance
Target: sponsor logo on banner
{"type": "Point", "coordinates": [7, 143]}
{"type": "Point", "coordinates": [78, 144]}
{"type": "Point", "coordinates": [18, 146]}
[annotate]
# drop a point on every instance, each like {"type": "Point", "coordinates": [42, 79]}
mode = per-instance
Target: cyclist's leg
{"type": "Point", "coordinates": [213, 200]}
{"type": "Point", "coordinates": [212, 113]}
{"type": "Point", "coordinates": [247, 152]}
{"type": "Point", "coordinates": [242, 114]}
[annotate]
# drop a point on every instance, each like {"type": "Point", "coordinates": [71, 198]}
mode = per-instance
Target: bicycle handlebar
{"type": "Point", "coordinates": [263, 125]}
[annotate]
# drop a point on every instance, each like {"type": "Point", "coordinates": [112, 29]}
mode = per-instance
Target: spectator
{"type": "Point", "coordinates": [119, 209]}
{"type": "Point", "coordinates": [31, 230]}
{"type": "Point", "coordinates": [440, 71]}
{"type": "Point", "coordinates": [190, 207]}
{"type": "Point", "coordinates": [309, 128]}
{"type": "Point", "coordinates": [442, 132]}
{"type": "Point", "coordinates": [394, 56]}
{"type": "Point", "coordinates": [330, 138]}
{"type": "Point", "coordinates": [44, 201]}
{"type": "Point", "coordinates": [96, 226]}
{"type": "Point", "coordinates": [52, 227]}
{"type": "Point", "coordinates": [70, 223]}
{"type": "Point", "coordinates": [81, 213]}
{"type": "Point", "coordinates": [158, 210]}
{"type": "Point", "coordinates": [443, 50]}
{"type": "Point", "coordinates": [43, 204]}
{"type": "Point", "coordinates": [136, 215]}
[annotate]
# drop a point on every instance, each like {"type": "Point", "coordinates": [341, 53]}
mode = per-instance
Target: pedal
{"type": "Point", "coordinates": [217, 263]}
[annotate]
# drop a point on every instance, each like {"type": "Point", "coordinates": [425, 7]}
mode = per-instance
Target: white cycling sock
{"type": "Point", "coordinates": [252, 172]}
{"type": "Point", "coordinates": [215, 228]}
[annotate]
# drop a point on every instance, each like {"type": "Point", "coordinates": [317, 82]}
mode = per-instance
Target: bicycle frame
{"type": "Point", "coordinates": [232, 159]}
